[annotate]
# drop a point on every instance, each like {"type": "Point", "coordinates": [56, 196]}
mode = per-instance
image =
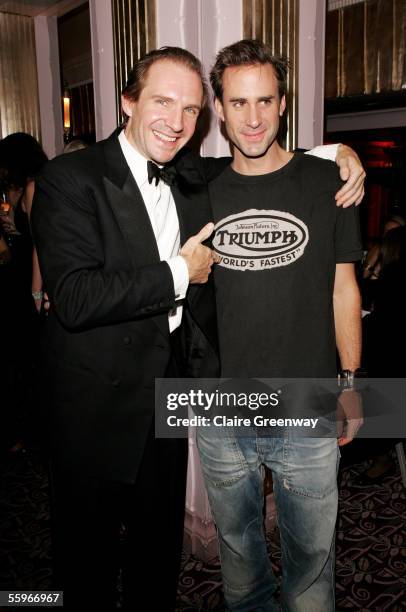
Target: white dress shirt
{"type": "Point", "coordinates": [162, 213]}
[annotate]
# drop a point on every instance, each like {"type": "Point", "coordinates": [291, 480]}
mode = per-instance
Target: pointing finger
{"type": "Point", "coordinates": [204, 233]}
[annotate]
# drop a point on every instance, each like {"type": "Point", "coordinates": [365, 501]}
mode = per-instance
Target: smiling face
{"type": "Point", "coordinates": [251, 109]}
{"type": "Point", "coordinates": [164, 117]}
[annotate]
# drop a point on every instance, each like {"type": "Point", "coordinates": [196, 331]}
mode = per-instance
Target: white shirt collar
{"type": "Point", "coordinates": [136, 161]}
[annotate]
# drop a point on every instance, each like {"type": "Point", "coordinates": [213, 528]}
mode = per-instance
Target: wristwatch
{"type": "Point", "coordinates": [346, 378]}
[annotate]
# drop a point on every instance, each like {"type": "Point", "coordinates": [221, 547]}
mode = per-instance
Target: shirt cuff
{"type": "Point", "coordinates": [180, 275]}
{"type": "Point", "coordinates": [325, 151]}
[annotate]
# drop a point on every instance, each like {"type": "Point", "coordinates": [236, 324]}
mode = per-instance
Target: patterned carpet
{"type": "Point", "coordinates": [371, 536]}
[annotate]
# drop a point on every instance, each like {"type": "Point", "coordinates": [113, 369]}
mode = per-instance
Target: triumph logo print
{"type": "Point", "coordinates": [260, 240]}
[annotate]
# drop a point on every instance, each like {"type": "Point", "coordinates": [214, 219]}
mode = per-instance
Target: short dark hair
{"type": "Point", "coordinates": [21, 158]}
{"type": "Point", "coordinates": [137, 77]}
{"type": "Point", "coordinates": [248, 52]}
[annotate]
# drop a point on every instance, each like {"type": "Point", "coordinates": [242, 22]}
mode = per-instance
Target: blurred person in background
{"type": "Point", "coordinates": [385, 327]}
{"type": "Point", "coordinates": [74, 145]}
{"type": "Point", "coordinates": [372, 261]}
{"type": "Point", "coordinates": [21, 158]}
{"type": "Point", "coordinates": [384, 341]}
{"type": "Point", "coordinates": [4, 250]}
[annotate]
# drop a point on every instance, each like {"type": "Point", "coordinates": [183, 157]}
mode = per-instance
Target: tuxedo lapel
{"type": "Point", "coordinates": [193, 212]}
{"type": "Point", "coordinates": [130, 212]}
{"type": "Point", "coordinates": [132, 217]}
{"type": "Point", "coordinates": [190, 194]}
{"type": "Point", "coordinates": [128, 206]}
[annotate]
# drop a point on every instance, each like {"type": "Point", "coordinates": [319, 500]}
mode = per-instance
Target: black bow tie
{"type": "Point", "coordinates": [166, 174]}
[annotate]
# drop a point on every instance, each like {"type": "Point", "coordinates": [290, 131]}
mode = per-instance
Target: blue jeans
{"type": "Point", "coordinates": [305, 487]}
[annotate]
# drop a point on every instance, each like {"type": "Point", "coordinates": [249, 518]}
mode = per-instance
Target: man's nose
{"type": "Point", "coordinates": [175, 120]}
{"type": "Point", "coordinates": [253, 117]}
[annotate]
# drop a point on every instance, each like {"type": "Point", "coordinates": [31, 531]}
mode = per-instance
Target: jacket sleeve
{"type": "Point", "coordinates": [214, 166]}
{"type": "Point", "coordinates": [84, 292]}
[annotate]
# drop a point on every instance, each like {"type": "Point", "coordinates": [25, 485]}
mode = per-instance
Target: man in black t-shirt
{"type": "Point", "coordinates": [286, 298]}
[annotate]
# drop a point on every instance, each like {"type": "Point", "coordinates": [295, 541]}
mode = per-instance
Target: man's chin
{"type": "Point", "coordinates": [253, 152]}
{"type": "Point", "coordinates": [162, 158]}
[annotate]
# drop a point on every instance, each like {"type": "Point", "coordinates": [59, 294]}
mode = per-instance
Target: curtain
{"type": "Point", "coordinates": [277, 22]}
{"type": "Point", "coordinates": [19, 106]}
{"type": "Point", "coordinates": [366, 48]}
{"type": "Point", "coordinates": [134, 32]}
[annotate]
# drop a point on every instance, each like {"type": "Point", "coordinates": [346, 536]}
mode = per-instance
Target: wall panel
{"type": "Point", "coordinates": [134, 31]}
{"type": "Point", "coordinates": [19, 108]}
{"type": "Point", "coordinates": [277, 22]}
{"type": "Point", "coordinates": [366, 48]}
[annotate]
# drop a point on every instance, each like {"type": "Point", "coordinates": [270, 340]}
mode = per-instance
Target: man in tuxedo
{"type": "Point", "coordinates": [108, 228]}
{"type": "Point", "coordinates": [108, 236]}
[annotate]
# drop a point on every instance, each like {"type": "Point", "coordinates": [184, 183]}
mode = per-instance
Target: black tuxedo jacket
{"type": "Point", "coordinates": [107, 337]}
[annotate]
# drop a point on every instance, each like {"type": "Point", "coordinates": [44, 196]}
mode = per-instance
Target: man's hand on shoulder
{"type": "Point", "coordinates": [199, 258]}
{"type": "Point", "coordinates": [353, 173]}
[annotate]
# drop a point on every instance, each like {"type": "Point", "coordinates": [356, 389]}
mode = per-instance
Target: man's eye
{"type": "Point", "coordinates": [191, 111]}
{"type": "Point", "coordinates": [162, 102]}
{"type": "Point", "coordinates": [238, 104]}
{"type": "Point", "coordinates": [266, 102]}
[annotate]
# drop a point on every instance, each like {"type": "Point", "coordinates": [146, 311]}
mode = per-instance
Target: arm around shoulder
{"type": "Point", "coordinates": [351, 171]}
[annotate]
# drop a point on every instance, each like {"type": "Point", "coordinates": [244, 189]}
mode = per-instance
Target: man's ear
{"type": "Point", "coordinates": [282, 106]}
{"type": "Point", "coordinates": [127, 106]}
{"type": "Point", "coordinates": [219, 109]}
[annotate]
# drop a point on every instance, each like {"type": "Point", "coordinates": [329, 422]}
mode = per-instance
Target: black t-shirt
{"type": "Point", "coordinates": [280, 236]}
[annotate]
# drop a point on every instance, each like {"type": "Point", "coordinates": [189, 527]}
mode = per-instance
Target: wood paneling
{"type": "Point", "coordinates": [134, 31]}
{"type": "Point", "coordinates": [19, 107]}
{"type": "Point", "coordinates": [366, 48]}
{"type": "Point", "coordinates": [277, 22]}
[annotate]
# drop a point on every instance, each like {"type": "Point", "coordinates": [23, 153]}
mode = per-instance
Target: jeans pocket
{"type": "Point", "coordinates": [221, 458]}
{"type": "Point", "coordinates": [310, 466]}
